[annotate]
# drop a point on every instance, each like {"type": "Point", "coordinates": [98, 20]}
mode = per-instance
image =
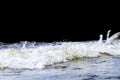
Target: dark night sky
{"type": "Point", "coordinates": [58, 22]}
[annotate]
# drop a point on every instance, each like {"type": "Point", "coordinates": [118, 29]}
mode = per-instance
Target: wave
{"type": "Point", "coordinates": [33, 55]}
{"type": "Point", "coordinates": [36, 55]}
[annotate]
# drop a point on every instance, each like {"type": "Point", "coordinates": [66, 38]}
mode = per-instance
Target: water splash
{"type": "Point", "coordinates": [107, 37]}
{"type": "Point", "coordinates": [115, 36]}
{"type": "Point", "coordinates": [107, 41]}
{"type": "Point", "coordinates": [100, 39]}
{"type": "Point", "coordinates": [33, 56]}
{"type": "Point", "coordinates": [24, 46]}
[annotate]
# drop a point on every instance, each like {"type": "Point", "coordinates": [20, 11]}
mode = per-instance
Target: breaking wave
{"type": "Point", "coordinates": [34, 55]}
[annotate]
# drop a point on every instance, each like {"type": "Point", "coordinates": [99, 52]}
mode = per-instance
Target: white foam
{"type": "Point", "coordinates": [42, 55]}
{"type": "Point", "coordinates": [32, 55]}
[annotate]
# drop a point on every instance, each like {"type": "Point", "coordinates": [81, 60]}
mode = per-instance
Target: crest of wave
{"type": "Point", "coordinates": [32, 56]}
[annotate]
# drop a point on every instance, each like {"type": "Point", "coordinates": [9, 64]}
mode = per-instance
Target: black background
{"type": "Point", "coordinates": [58, 22]}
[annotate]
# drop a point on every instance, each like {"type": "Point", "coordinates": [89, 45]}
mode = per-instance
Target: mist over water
{"type": "Point", "coordinates": [36, 55]}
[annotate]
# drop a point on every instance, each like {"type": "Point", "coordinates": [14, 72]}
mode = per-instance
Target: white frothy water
{"type": "Point", "coordinates": [31, 55]}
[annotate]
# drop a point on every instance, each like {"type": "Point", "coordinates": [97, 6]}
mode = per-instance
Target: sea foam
{"type": "Point", "coordinates": [33, 55]}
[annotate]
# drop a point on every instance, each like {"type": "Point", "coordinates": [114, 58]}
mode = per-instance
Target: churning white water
{"type": "Point", "coordinates": [32, 55]}
{"type": "Point", "coordinates": [85, 60]}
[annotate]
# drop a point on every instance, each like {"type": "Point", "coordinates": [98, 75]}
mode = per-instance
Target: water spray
{"type": "Point", "coordinates": [101, 38]}
{"type": "Point", "coordinates": [107, 37]}
{"type": "Point", "coordinates": [24, 45]}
